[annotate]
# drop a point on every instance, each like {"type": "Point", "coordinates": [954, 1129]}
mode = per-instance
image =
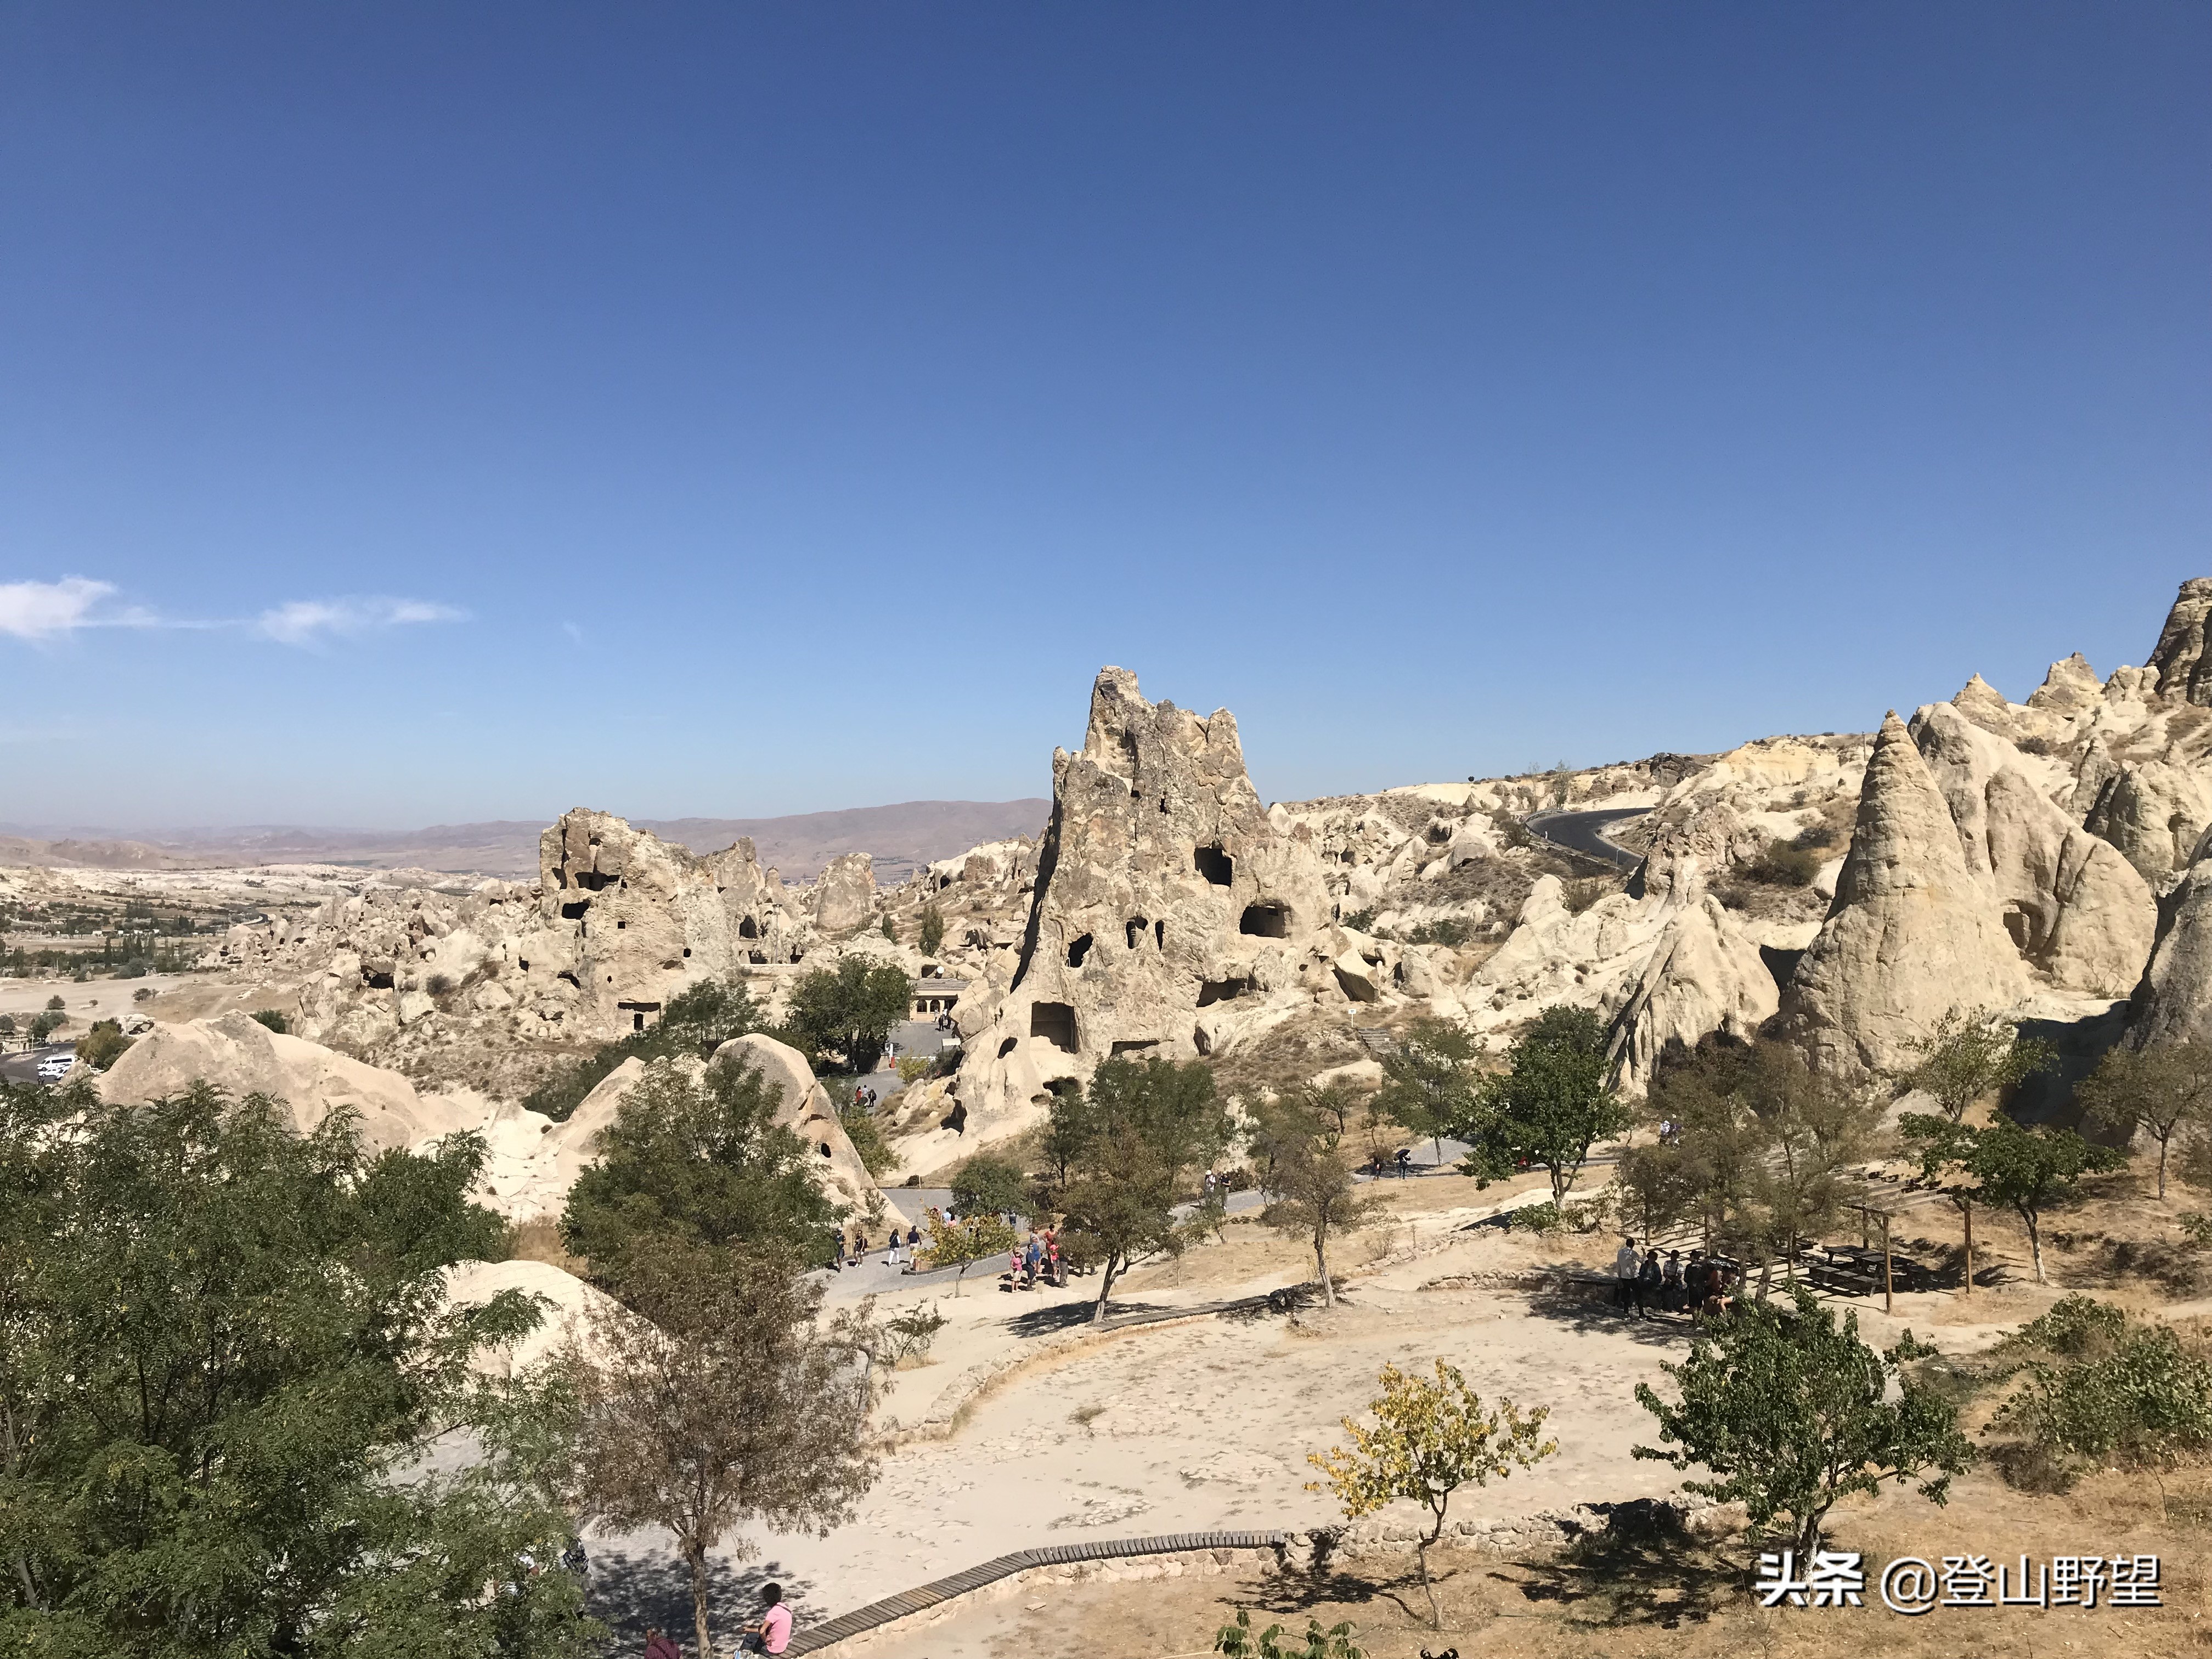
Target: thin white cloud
{"type": "Point", "coordinates": [310, 622]}
{"type": "Point", "coordinates": [46, 611]}
{"type": "Point", "coordinates": [39, 611]}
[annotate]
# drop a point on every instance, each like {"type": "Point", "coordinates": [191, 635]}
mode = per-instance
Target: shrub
{"type": "Point", "coordinates": [1583, 891]}
{"type": "Point", "coordinates": [1450, 929]}
{"type": "Point", "coordinates": [7, 1025]}
{"type": "Point", "coordinates": [2144, 1399]}
{"type": "Point", "coordinates": [867, 1138]}
{"type": "Point", "coordinates": [439, 985]}
{"type": "Point", "coordinates": [103, 1045]}
{"type": "Point", "coordinates": [55, 1004]}
{"type": "Point", "coordinates": [1361, 921]}
{"type": "Point", "coordinates": [274, 1020]}
{"type": "Point", "coordinates": [910, 1336]}
{"type": "Point", "coordinates": [144, 993]}
{"type": "Point", "coordinates": [1785, 864]}
{"type": "Point", "coordinates": [1545, 1217]}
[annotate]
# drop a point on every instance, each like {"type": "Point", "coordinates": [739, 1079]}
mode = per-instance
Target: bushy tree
{"type": "Point", "coordinates": [1971, 1057]}
{"type": "Point", "coordinates": [2158, 1091]}
{"type": "Point", "coordinates": [932, 929]}
{"type": "Point", "coordinates": [698, 1019]}
{"type": "Point", "coordinates": [2102, 1387]}
{"type": "Point", "coordinates": [717, 1401]}
{"type": "Point", "coordinates": [45, 1025]}
{"type": "Point", "coordinates": [1136, 1141]}
{"type": "Point", "coordinates": [273, 1018]}
{"type": "Point", "coordinates": [848, 1012]}
{"type": "Point", "coordinates": [229, 1354]}
{"type": "Point", "coordinates": [701, 1159]}
{"type": "Point", "coordinates": [2030, 1170]}
{"type": "Point", "coordinates": [1789, 1412]}
{"type": "Point", "coordinates": [965, 1242]}
{"type": "Point", "coordinates": [103, 1045]}
{"type": "Point", "coordinates": [1430, 1439]}
{"type": "Point", "coordinates": [990, 1183]}
{"type": "Point", "coordinates": [1430, 1083]}
{"type": "Point", "coordinates": [1304, 1172]}
{"type": "Point", "coordinates": [1551, 1104]}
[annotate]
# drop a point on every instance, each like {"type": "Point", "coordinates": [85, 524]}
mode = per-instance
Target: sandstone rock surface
{"type": "Point", "coordinates": [1912, 933]}
{"type": "Point", "coordinates": [240, 1056]}
{"type": "Point", "coordinates": [2179, 660]}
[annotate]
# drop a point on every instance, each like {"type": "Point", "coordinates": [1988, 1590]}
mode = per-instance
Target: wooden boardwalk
{"type": "Point", "coordinates": [878, 1613]}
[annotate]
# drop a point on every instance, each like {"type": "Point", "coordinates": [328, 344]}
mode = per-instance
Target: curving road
{"type": "Point", "coordinates": [1583, 834]}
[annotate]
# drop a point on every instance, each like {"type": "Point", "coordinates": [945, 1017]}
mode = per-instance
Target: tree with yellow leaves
{"type": "Point", "coordinates": [1429, 1440]}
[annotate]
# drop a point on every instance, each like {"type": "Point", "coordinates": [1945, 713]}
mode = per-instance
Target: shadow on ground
{"type": "Point", "coordinates": [1641, 1570]}
{"type": "Point", "coordinates": [651, 1589]}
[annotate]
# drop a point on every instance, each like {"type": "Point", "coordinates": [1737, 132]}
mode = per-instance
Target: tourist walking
{"type": "Point", "coordinates": [1670, 1296]}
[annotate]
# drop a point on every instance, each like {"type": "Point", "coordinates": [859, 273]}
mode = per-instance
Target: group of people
{"type": "Point", "coordinates": [1036, 1259]}
{"type": "Point", "coordinates": [898, 1249]}
{"type": "Point", "coordinates": [864, 1098]}
{"type": "Point", "coordinates": [1646, 1279]}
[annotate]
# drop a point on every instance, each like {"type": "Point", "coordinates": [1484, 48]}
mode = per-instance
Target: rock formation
{"type": "Point", "coordinates": [2173, 1003]}
{"type": "Point", "coordinates": [1168, 904]}
{"type": "Point", "coordinates": [1912, 933]}
{"type": "Point", "coordinates": [2075, 909]}
{"type": "Point", "coordinates": [240, 1056]}
{"type": "Point", "coordinates": [2153, 812]}
{"type": "Point", "coordinates": [2182, 667]}
{"type": "Point", "coordinates": [845, 896]}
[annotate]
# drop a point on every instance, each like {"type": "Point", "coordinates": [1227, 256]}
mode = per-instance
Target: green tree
{"type": "Point", "coordinates": [272, 1018]}
{"type": "Point", "coordinates": [1658, 1188]}
{"type": "Point", "coordinates": [991, 1183]}
{"type": "Point", "coordinates": [848, 1012]}
{"type": "Point", "coordinates": [1308, 1179]}
{"type": "Point", "coordinates": [1429, 1081]}
{"type": "Point", "coordinates": [1429, 1440]}
{"type": "Point", "coordinates": [55, 1004]}
{"type": "Point", "coordinates": [2030, 1170]}
{"type": "Point", "coordinates": [1139, 1134]}
{"type": "Point", "coordinates": [890, 932]}
{"type": "Point", "coordinates": [718, 1402]}
{"type": "Point", "coordinates": [698, 1019]}
{"type": "Point", "coordinates": [1551, 1104]}
{"type": "Point", "coordinates": [227, 1364]}
{"type": "Point", "coordinates": [703, 1159]}
{"type": "Point", "coordinates": [2158, 1091]}
{"type": "Point", "coordinates": [965, 1242]}
{"type": "Point", "coordinates": [45, 1025]}
{"type": "Point", "coordinates": [7, 1025]}
{"type": "Point", "coordinates": [1944, 1150]}
{"type": "Point", "coordinates": [932, 929]}
{"type": "Point", "coordinates": [1970, 1057]}
{"type": "Point", "coordinates": [103, 1045]}
{"type": "Point", "coordinates": [1790, 1413]}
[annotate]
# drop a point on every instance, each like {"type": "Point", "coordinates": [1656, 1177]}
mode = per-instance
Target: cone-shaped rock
{"type": "Point", "coordinates": [2179, 660]}
{"type": "Point", "coordinates": [1912, 933]}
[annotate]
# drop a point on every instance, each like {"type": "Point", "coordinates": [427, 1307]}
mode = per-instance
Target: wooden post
{"type": "Point", "coordinates": [1888, 1279]}
{"type": "Point", "coordinates": [1863, 1226]}
{"type": "Point", "coordinates": [1968, 1288]}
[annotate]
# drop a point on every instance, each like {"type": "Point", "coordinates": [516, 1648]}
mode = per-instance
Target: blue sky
{"type": "Point", "coordinates": [468, 411]}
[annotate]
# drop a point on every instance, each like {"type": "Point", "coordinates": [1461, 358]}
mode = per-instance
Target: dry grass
{"type": "Point", "coordinates": [540, 1240]}
{"type": "Point", "coordinates": [1643, 1599]}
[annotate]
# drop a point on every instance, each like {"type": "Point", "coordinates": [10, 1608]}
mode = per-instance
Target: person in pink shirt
{"type": "Point", "coordinates": [773, 1633]}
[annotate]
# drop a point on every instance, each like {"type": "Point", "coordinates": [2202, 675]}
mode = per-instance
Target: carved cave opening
{"type": "Point", "coordinates": [1266, 920]}
{"type": "Point", "coordinates": [1055, 1023]}
{"type": "Point", "coordinates": [1215, 865]}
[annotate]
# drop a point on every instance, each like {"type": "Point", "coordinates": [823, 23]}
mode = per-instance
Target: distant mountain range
{"type": "Point", "coordinates": [900, 839]}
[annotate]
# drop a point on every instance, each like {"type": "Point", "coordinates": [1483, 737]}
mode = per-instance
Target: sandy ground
{"type": "Point", "coordinates": [1206, 1424]}
{"type": "Point", "coordinates": [95, 998]}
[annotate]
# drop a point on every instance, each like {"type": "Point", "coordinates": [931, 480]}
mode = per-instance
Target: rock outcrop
{"type": "Point", "coordinates": [2179, 660]}
{"type": "Point", "coordinates": [845, 895]}
{"type": "Point", "coordinates": [2173, 1003]}
{"type": "Point", "coordinates": [804, 1107]}
{"type": "Point", "coordinates": [2154, 812]}
{"type": "Point", "coordinates": [1912, 933]}
{"type": "Point", "coordinates": [240, 1056]}
{"type": "Point", "coordinates": [2075, 909]}
{"type": "Point", "coordinates": [1703, 975]}
{"type": "Point", "coordinates": [1172, 915]}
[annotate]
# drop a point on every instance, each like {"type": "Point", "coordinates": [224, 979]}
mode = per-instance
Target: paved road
{"type": "Point", "coordinates": [24, 1067]}
{"type": "Point", "coordinates": [1583, 833]}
